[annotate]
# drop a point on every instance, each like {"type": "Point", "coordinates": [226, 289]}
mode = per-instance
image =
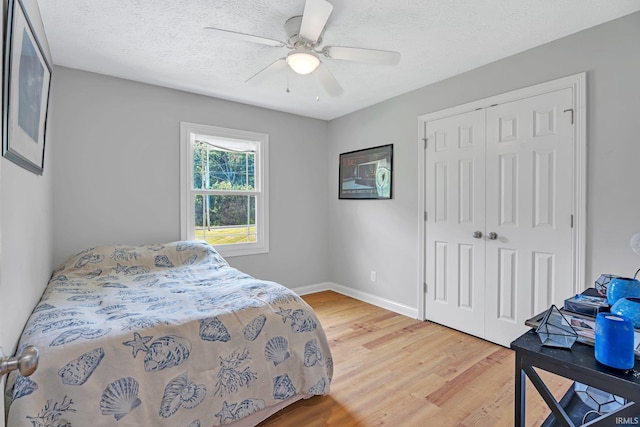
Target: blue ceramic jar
{"type": "Point", "coordinates": [628, 307]}
{"type": "Point", "coordinates": [621, 287]}
{"type": "Point", "coordinates": [614, 341]}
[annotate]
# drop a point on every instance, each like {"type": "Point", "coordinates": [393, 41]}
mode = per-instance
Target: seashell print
{"type": "Point", "coordinates": [143, 277]}
{"type": "Point", "coordinates": [281, 296]}
{"type": "Point", "coordinates": [43, 306]}
{"type": "Point", "coordinates": [95, 333]}
{"type": "Point", "coordinates": [312, 353]}
{"type": "Point", "coordinates": [74, 334]}
{"type": "Point", "coordinates": [301, 321]}
{"type": "Point", "coordinates": [192, 395]}
{"type": "Point", "coordinates": [60, 278]}
{"type": "Point", "coordinates": [89, 258]}
{"type": "Point", "coordinates": [253, 329]}
{"type": "Point", "coordinates": [212, 329]}
{"type": "Point", "coordinates": [145, 299]}
{"type": "Point", "coordinates": [155, 248]}
{"type": "Point", "coordinates": [183, 246]}
{"type": "Point", "coordinates": [162, 261]}
{"type": "Point", "coordinates": [93, 274]}
{"type": "Point", "coordinates": [65, 323]}
{"type": "Point", "coordinates": [178, 393]}
{"type": "Point", "coordinates": [171, 396]}
{"type": "Point", "coordinates": [80, 369]}
{"type": "Point", "coordinates": [166, 352]}
{"type": "Point", "coordinates": [76, 291]}
{"type": "Point", "coordinates": [277, 350]}
{"type": "Point", "coordinates": [23, 386]}
{"type": "Point", "coordinates": [248, 407]}
{"type": "Point", "coordinates": [107, 278]}
{"type": "Point", "coordinates": [169, 284]}
{"type": "Point", "coordinates": [120, 397]}
{"type": "Point", "coordinates": [131, 271]}
{"type": "Point", "coordinates": [151, 282]}
{"type": "Point", "coordinates": [120, 316]}
{"type": "Point", "coordinates": [82, 298]}
{"type": "Point", "coordinates": [194, 423]}
{"type": "Point", "coordinates": [319, 388]}
{"type": "Point", "coordinates": [190, 260]}
{"type": "Point", "coordinates": [144, 322]}
{"type": "Point", "coordinates": [114, 285]}
{"type": "Point", "coordinates": [124, 254]}
{"type": "Point", "coordinates": [55, 314]}
{"type": "Point", "coordinates": [162, 305]}
{"type": "Point", "coordinates": [110, 309]}
{"type": "Point", "coordinates": [283, 387]}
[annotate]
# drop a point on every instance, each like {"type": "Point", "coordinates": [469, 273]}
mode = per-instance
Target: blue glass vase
{"type": "Point", "coordinates": [614, 341]}
{"type": "Point", "coordinates": [621, 287]}
{"type": "Point", "coordinates": [628, 307]}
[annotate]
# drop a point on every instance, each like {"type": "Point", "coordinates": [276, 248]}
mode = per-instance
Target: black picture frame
{"type": "Point", "coordinates": [366, 174]}
{"type": "Point", "coordinates": [27, 83]}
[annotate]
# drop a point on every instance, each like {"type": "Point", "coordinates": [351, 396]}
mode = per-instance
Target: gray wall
{"type": "Point", "coordinates": [112, 164]}
{"type": "Point", "coordinates": [25, 230]}
{"type": "Point", "coordinates": [367, 235]}
{"type": "Point", "coordinates": [116, 166]}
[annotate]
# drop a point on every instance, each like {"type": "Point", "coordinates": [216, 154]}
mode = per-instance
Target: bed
{"type": "Point", "coordinates": [165, 335]}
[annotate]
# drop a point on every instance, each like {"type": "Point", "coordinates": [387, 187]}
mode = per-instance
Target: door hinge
{"type": "Point", "coordinates": [426, 288]}
{"type": "Point", "coordinates": [572, 221]}
{"type": "Point", "coordinates": [570, 110]}
{"type": "Point", "coordinates": [425, 215]}
{"type": "Point", "coordinates": [425, 142]}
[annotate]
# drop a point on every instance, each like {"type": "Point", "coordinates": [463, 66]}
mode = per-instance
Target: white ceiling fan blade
{"type": "Point", "coordinates": [247, 37]}
{"type": "Point", "coordinates": [368, 56]}
{"type": "Point", "coordinates": [314, 18]}
{"type": "Point", "coordinates": [275, 66]}
{"type": "Point", "coordinates": [327, 80]}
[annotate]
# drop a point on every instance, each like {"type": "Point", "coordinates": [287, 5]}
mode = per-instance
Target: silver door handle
{"type": "Point", "coordinates": [477, 234]}
{"type": "Point", "coordinates": [492, 236]}
{"type": "Point", "coordinates": [26, 362]}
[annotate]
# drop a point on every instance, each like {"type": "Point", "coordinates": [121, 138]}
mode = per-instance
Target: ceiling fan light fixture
{"type": "Point", "coordinates": [303, 62]}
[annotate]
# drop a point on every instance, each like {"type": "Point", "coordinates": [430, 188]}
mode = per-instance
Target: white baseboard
{"type": "Point", "coordinates": [359, 295]}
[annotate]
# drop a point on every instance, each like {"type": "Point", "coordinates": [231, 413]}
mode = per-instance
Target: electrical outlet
{"type": "Point", "coordinates": [373, 276]}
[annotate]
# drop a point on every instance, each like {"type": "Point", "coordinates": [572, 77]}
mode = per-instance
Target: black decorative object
{"type": "Point", "coordinates": [26, 92]}
{"type": "Point", "coordinates": [366, 174]}
{"type": "Point", "coordinates": [555, 330]}
{"type": "Point", "coordinates": [600, 401]}
{"type": "Point", "coordinates": [602, 283]}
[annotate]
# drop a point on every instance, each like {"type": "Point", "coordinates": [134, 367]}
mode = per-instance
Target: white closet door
{"type": "Point", "coordinates": [454, 264]}
{"type": "Point", "coordinates": [529, 158]}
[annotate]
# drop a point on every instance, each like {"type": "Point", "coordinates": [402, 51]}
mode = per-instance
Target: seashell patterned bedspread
{"type": "Point", "coordinates": [164, 335]}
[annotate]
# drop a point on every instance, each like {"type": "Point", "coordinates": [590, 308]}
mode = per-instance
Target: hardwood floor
{"type": "Point", "coordinates": [393, 370]}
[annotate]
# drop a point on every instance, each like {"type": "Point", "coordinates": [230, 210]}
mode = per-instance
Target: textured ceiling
{"type": "Point", "coordinates": [163, 42]}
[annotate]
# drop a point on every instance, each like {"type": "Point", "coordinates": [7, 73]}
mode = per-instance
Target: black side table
{"type": "Point", "coordinates": [578, 364]}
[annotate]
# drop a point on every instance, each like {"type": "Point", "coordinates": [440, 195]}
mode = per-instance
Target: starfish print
{"type": "Point", "coordinates": [138, 343]}
{"type": "Point", "coordinates": [226, 413]}
{"type": "Point", "coordinates": [285, 313]}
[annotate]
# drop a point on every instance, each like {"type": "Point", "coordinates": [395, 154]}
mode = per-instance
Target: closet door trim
{"type": "Point", "coordinates": [577, 83]}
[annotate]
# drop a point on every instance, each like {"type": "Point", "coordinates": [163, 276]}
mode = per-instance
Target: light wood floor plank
{"type": "Point", "coordinates": [396, 371]}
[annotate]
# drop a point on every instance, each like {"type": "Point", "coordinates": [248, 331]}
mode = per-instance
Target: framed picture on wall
{"type": "Point", "coordinates": [26, 92]}
{"type": "Point", "coordinates": [366, 174]}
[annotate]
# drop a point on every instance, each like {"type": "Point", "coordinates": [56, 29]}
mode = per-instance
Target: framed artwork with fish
{"type": "Point", "coordinates": [366, 174]}
{"type": "Point", "coordinates": [26, 92]}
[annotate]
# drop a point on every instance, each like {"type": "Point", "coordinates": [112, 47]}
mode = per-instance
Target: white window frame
{"type": "Point", "coordinates": [261, 192]}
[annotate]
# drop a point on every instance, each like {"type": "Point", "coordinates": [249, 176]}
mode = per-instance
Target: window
{"type": "Point", "coordinates": [224, 188]}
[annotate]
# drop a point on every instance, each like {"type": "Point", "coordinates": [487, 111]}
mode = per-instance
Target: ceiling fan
{"type": "Point", "coordinates": [304, 42]}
